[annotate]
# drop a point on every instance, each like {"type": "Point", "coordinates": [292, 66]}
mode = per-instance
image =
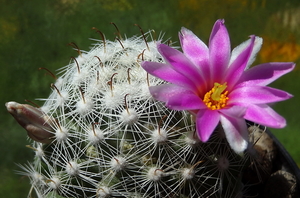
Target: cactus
{"type": "Point", "coordinates": [101, 134]}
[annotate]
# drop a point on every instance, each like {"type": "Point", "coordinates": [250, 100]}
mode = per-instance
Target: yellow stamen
{"type": "Point", "coordinates": [215, 98]}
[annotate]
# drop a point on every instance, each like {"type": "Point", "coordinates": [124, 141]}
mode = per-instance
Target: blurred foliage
{"type": "Point", "coordinates": [35, 34]}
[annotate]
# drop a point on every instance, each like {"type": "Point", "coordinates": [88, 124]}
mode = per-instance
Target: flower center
{"type": "Point", "coordinates": [215, 98]}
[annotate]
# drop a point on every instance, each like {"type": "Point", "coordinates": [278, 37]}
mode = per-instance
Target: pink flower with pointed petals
{"type": "Point", "coordinates": [216, 85]}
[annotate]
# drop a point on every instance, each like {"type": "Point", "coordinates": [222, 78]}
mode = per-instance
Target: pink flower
{"type": "Point", "coordinates": [216, 85]}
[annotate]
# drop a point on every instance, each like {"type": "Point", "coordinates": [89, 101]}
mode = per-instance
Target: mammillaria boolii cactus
{"type": "Point", "coordinates": [102, 134]}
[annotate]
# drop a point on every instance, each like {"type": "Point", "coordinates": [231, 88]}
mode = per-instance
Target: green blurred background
{"type": "Point", "coordinates": [35, 34]}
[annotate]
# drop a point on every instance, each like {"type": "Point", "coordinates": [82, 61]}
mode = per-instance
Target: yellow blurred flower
{"type": "Point", "coordinates": [278, 51]}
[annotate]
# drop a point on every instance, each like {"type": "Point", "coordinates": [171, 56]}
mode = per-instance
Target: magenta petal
{"type": "Point", "coordinates": [195, 49]}
{"type": "Point", "coordinates": [234, 111]}
{"type": "Point", "coordinates": [185, 101]}
{"type": "Point", "coordinates": [238, 66]}
{"type": "Point", "coordinates": [167, 73]}
{"type": "Point", "coordinates": [165, 91]}
{"type": "Point", "coordinates": [236, 132]}
{"type": "Point", "coordinates": [177, 98]}
{"type": "Point", "coordinates": [206, 122]}
{"type": "Point", "coordinates": [257, 95]}
{"type": "Point", "coordinates": [181, 63]}
{"type": "Point", "coordinates": [264, 115]}
{"type": "Point", "coordinates": [219, 51]}
{"type": "Point", "coordinates": [264, 74]}
{"type": "Point", "coordinates": [237, 50]}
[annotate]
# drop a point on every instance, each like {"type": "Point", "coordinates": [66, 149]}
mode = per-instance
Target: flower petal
{"type": "Point", "coordinates": [167, 73]}
{"type": "Point", "coordinates": [264, 115]}
{"type": "Point", "coordinates": [181, 63]}
{"type": "Point", "coordinates": [238, 66]}
{"type": "Point", "coordinates": [219, 51]}
{"type": "Point", "coordinates": [165, 91]}
{"type": "Point", "coordinates": [185, 101]}
{"type": "Point", "coordinates": [234, 111]}
{"type": "Point", "coordinates": [265, 73]}
{"type": "Point", "coordinates": [257, 95]}
{"type": "Point", "coordinates": [206, 122]}
{"type": "Point", "coordinates": [176, 98]}
{"type": "Point", "coordinates": [195, 49]}
{"type": "Point", "coordinates": [236, 132]}
{"type": "Point", "coordinates": [237, 50]}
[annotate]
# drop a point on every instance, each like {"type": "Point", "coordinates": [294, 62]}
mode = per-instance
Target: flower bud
{"type": "Point", "coordinates": [33, 120]}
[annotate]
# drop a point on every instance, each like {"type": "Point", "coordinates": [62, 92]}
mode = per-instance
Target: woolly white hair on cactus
{"type": "Point", "coordinates": [95, 135]}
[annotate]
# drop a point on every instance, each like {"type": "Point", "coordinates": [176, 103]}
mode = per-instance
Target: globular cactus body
{"type": "Point", "coordinates": [109, 137]}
